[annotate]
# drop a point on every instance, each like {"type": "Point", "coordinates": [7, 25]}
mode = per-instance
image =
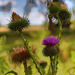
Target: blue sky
{"type": "Point", "coordinates": [35, 17]}
{"type": "Point", "coordinates": [70, 3]}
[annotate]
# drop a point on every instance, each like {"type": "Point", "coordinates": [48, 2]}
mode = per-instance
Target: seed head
{"type": "Point", "coordinates": [20, 54]}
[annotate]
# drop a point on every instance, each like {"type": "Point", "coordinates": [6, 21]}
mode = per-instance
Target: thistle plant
{"type": "Point", "coordinates": [17, 24]}
{"type": "Point", "coordinates": [22, 55]}
{"type": "Point", "coordinates": [51, 50]}
{"type": "Point", "coordinates": [52, 43]}
{"type": "Point", "coordinates": [60, 13]}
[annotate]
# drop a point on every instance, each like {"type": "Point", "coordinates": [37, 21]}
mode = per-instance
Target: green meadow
{"type": "Point", "coordinates": [35, 35]}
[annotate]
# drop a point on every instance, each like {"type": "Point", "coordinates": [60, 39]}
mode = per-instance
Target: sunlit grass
{"type": "Point", "coordinates": [9, 40]}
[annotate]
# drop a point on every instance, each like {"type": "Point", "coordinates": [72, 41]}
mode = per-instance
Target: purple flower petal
{"type": "Point", "coordinates": [50, 40]}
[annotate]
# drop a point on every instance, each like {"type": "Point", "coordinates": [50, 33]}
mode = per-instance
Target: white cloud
{"type": "Point", "coordinates": [36, 18]}
{"type": "Point", "coordinates": [14, 10]}
{"type": "Point", "coordinates": [4, 18]}
{"type": "Point", "coordinates": [7, 1]}
{"type": "Point", "coordinates": [1, 3]}
{"type": "Point", "coordinates": [13, 2]}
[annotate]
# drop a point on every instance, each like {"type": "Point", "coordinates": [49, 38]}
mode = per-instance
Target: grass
{"type": "Point", "coordinates": [35, 35]}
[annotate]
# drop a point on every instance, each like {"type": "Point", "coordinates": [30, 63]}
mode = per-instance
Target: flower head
{"type": "Point", "coordinates": [64, 14]}
{"type": "Point", "coordinates": [20, 54]}
{"type": "Point", "coordinates": [54, 7]}
{"type": "Point", "coordinates": [50, 40]}
{"type": "Point", "coordinates": [50, 51]}
{"type": "Point", "coordinates": [18, 23]}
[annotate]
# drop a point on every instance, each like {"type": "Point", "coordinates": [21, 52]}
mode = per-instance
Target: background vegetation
{"type": "Point", "coordinates": [35, 35]}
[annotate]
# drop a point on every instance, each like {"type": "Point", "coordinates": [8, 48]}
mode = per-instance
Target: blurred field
{"type": "Point", "coordinates": [31, 28]}
{"type": "Point", "coordinates": [35, 35]}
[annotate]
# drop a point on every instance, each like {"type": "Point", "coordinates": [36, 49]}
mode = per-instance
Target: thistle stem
{"type": "Point", "coordinates": [51, 59]}
{"type": "Point", "coordinates": [60, 27]}
{"type": "Point", "coordinates": [25, 68]}
{"type": "Point", "coordinates": [56, 63]}
{"type": "Point", "coordinates": [49, 70]}
{"type": "Point", "coordinates": [40, 69]}
{"type": "Point", "coordinates": [53, 64]}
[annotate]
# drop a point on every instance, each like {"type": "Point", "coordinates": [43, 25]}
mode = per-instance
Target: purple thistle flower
{"type": "Point", "coordinates": [50, 40]}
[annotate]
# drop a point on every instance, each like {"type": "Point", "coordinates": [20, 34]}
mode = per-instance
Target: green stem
{"type": "Point", "coordinates": [60, 27]}
{"type": "Point", "coordinates": [40, 69]}
{"type": "Point", "coordinates": [25, 68]}
{"type": "Point", "coordinates": [49, 70]}
{"type": "Point", "coordinates": [52, 66]}
{"type": "Point", "coordinates": [30, 70]}
{"type": "Point", "coordinates": [54, 62]}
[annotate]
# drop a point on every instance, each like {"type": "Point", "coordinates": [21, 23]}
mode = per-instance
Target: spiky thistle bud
{"type": "Point", "coordinates": [50, 49]}
{"type": "Point", "coordinates": [18, 23]}
{"type": "Point", "coordinates": [54, 7]}
{"type": "Point", "coordinates": [64, 14]}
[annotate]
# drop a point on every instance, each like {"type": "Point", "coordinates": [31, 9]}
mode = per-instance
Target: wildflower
{"type": "Point", "coordinates": [20, 54]}
{"type": "Point", "coordinates": [50, 40]}
{"type": "Point", "coordinates": [18, 23]}
{"type": "Point", "coordinates": [50, 49]}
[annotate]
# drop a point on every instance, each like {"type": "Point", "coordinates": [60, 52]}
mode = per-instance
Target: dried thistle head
{"type": "Point", "coordinates": [63, 5]}
{"type": "Point", "coordinates": [15, 16]}
{"type": "Point", "coordinates": [20, 54]}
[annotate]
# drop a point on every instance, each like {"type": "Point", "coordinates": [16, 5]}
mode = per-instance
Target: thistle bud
{"type": "Point", "coordinates": [51, 49]}
{"type": "Point", "coordinates": [18, 23]}
{"type": "Point", "coordinates": [64, 14]}
{"type": "Point", "coordinates": [54, 7]}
